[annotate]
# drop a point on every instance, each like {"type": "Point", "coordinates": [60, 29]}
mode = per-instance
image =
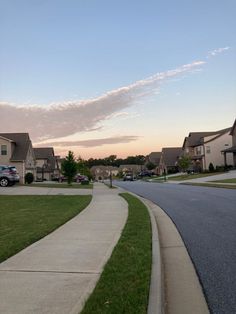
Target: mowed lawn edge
{"type": "Point", "coordinates": [125, 281]}
{"type": "Point", "coordinates": [25, 219]}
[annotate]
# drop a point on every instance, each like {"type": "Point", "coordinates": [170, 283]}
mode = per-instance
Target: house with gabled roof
{"type": "Point", "coordinates": [169, 160]}
{"type": "Point", "coordinates": [153, 158]}
{"type": "Point", "coordinates": [16, 150]}
{"type": "Point", "coordinates": [205, 148]}
{"type": "Point", "coordinates": [46, 163]}
{"type": "Point", "coordinates": [103, 172]}
{"type": "Point", "coordinates": [231, 150]}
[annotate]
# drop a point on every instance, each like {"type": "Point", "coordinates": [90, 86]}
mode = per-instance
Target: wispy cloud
{"type": "Point", "coordinates": [94, 142]}
{"type": "Point", "coordinates": [217, 51]}
{"type": "Point", "coordinates": [63, 119]}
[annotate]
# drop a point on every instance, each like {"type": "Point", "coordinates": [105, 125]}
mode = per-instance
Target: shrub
{"type": "Point", "coordinates": [211, 167]}
{"type": "Point", "coordinates": [29, 178]}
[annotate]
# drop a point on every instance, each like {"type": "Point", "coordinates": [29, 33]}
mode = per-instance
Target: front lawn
{"type": "Point", "coordinates": [124, 284]}
{"type": "Point", "coordinates": [61, 185]}
{"type": "Point", "coordinates": [212, 185]}
{"type": "Point", "coordinates": [193, 176]}
{"type": "Point", "coordinates": [25, 219]}
{"type": "Point", "coordinates": [226, 181]}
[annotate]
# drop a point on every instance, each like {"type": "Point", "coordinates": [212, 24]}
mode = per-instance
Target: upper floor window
{"type": "Point", "coordinates": [4, 150]}
{"type": "Point", "coordinates": [208, 149]}
{"type": "Point", "coordinates": [198, 151]}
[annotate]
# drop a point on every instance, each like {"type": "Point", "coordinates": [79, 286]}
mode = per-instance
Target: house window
{"type": "Point", "coordinates": [198, 150]}
{"type": "Point", "coordinates": [208, 149]}
{"type": "Point", "coordinates": [3, 150]}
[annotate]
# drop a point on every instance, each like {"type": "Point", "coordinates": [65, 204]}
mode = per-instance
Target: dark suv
{"type": "Point", "coordinates": [8, 175]}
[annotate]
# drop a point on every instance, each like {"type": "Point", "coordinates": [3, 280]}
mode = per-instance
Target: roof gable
{"type": "Point", "coordinates": [22, 144]}
{"type": "Point", "coordinates": [171, 155]}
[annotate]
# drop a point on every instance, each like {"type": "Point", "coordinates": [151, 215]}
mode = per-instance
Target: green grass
{"type": "Point", "coordinates": [61, 185]}
{"type": "Point", "coordinates": [25, 219]}
{"type": "Point", "coordinates": [212, 185]}
{"type": "Point", "coordinates": [226, 181]}
{"type": "Point", "coordinates": [192, 176]}
{"type": "Point", "coordinates": [124, 284]}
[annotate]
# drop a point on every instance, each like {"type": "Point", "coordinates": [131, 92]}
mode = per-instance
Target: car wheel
{"type": "Point", "coordinates": [4, 182]}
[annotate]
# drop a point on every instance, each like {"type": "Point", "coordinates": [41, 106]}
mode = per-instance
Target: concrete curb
{"type": "Point", "coordinates": [156, 293]}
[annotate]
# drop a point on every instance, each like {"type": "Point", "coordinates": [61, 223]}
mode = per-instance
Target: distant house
{"type": "Point", "coordinates": [153, 158]}
{"type": "Point", "coordinates": [169, 159]}
{"type": "Point", "coordinates": [231, 150]}
{"type": "Point", "coordinates": [46, 163]}
{"type": "Point", "coordinates": [17, 150]}
{"type": "Point", "coordinates": [135, 169]}
{"type": "Point", "coordinates": [103, 172]}
{"type": "Point", "coordinates": [205, 148]}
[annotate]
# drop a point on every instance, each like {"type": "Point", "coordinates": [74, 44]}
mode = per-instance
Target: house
{"type": "Point", "coordinates": [153, 158]}
{"type": "Point", "coordinates": [17, 150]}
{"type": "Point", "coordinates": [133, 168]}
{"type": "Point", "coordinates": [169, 160]}
{"type": "Point", "coordinates": [46, 163]}
{"type": "Point", "coordinates": [103, 172]}
{"type": "Point", "coordinates": [205, 148]}
{"type": "Point", "coordinates": [231, 150]}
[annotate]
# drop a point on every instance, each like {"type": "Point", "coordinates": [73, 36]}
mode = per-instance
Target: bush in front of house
{"type": "Point", "coordinates": [211, 167]}
{"type": "Point", "coordinates": [29, 178]}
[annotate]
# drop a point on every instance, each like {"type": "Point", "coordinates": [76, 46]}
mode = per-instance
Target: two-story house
{"type": "Point", "coordinates": [46, 163]}
{"type": "Point", "coordinates": [205, 148]}
{"type": "Point", "coordinates": [231, 150]}
{"type": "Point", "coordinates": [16, 150]}
{"type": "Point", "coordinates": [169, 160]}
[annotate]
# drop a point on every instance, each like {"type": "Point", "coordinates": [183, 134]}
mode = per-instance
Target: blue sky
{"type": "Point", "coordinates": [66, 51]}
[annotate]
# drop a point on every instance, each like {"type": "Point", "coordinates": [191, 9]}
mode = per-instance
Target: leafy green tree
{"type": "Point", "coordinates": [184, 162]}
{"type": "Point", "coordinates": [69, 167]}
{"type": "Point", "coordinates": [83, 168]}
{"type": "Point", "coordinates": [150, 166]}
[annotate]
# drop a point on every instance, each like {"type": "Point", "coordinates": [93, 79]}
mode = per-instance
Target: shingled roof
{"type": "Point", "coordinates": [171, 155]}
{"type": "Point", "coordinates": [196, 138]}
{"type": "Point", "coordinates": [154, 157]}
{"type": "Point", "coordinates": [22, 144]}
{"type": "Point", "coordinates": [46, 153]}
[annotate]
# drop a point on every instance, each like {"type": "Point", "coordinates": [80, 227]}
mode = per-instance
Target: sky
{"type": "Point", "coordinates": [116, 77]}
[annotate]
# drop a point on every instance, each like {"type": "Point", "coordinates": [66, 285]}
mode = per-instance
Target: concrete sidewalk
{"type": "Point", "coordinates": [57, 273]}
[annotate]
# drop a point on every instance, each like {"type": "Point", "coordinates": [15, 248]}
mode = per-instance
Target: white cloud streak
{"type": "Point", "coordinates": [217, 51]}
{"type": "Point", "coordinates": [64, 119]}
{"type": "Point", "coordinates": [93, 142]}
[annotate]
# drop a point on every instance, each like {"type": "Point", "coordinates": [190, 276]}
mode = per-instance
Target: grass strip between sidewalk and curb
{"type": "Point", "coordinates": [211, 185]}
{"type": "Point", "coordinates": [124, 284]}
{"type": "Point", "coordinates": [25, 219]}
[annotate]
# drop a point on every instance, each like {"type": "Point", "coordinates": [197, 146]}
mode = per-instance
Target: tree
{"type": "Point", "coordinates": [69, 167]}
{"type": "Point", "coordinates": [150, 166]}
{"type": "Point", "coordinates": [83, 168]}
{"type": "Point", "coordinates": [184, 162]}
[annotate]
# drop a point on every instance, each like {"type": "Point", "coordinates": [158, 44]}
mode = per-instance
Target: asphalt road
{"type": "Point", "coordinates": [206, 220]}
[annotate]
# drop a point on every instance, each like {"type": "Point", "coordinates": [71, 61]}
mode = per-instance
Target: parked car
{"type": "Point", "coordinates": [128, 177]}
{"type": "Point", "coordinates": [145, 173]}
{"type": "Point", "coordinates": [81, 178]}
{"type": "Point", "coordinates": [8, 175]}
